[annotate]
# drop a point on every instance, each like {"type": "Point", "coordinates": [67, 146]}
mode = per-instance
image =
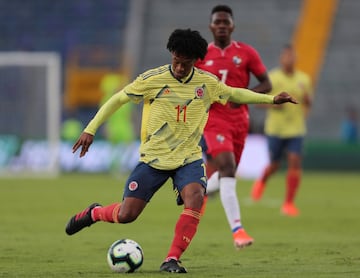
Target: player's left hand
{"type": "Point", "coordinates": [283, 98]}
{"type": "Point", "coordinates": [84, 141]}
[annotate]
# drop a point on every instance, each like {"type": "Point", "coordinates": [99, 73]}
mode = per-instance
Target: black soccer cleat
{"type": "Point", "coordinates": [81, 220]}
{"type": "Point", "coordinates": [172, 266]}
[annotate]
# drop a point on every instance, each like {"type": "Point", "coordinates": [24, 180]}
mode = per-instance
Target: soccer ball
{"type": "Point", "coordinates": [125, 255]}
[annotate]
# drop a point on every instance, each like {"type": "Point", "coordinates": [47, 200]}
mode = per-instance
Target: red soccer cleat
{"type": "Point", "coordinates": [289, 209]}
{"type": "Point", "coordinates": [242, 239]}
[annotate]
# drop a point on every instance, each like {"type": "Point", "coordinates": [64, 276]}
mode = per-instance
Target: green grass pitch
{"type": "Point", "coordinates": [324, 241]}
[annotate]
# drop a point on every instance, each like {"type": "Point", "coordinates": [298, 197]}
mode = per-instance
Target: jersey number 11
{"type": "Point", "coordinates": [180, 109]}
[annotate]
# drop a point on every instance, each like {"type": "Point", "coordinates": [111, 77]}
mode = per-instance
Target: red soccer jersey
{"type": "Point", "coordinates": [232, 65]}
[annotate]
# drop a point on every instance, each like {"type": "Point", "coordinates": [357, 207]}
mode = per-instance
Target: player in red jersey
{"type": "Point", "coordinates": [225, 133]}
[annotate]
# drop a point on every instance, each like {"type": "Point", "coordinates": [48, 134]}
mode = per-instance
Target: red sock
{"type": "Point", "coordinates": [292, 184]}
{"type": "Point", "coordinates": [185, 230]}
{"type": "Point", "coordinates": [107, 214]}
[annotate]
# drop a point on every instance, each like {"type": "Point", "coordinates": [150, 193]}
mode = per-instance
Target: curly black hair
{"type": "Point", "coordinates": [222, 8]}
{"type": "Point", "coordinates": [187, 43]}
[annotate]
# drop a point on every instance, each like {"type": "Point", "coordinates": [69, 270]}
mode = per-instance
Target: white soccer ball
{"type": "Point", "coordinates": [125, 255]}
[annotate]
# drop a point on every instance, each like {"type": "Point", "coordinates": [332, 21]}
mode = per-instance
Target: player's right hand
{"type": "Point", "coordinates": [283, 98]}
{"type": "Point", "coordinates": [84, 141]}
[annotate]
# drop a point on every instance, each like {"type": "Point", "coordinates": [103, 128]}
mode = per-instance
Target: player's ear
{"type": "Point", "coordinates": [233, 28]}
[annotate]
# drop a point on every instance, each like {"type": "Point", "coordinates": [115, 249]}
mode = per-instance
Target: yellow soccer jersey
{"type": "Point", "coordinates": [174, 114]}
{"type": "Point", "coordinates": [288, 120]}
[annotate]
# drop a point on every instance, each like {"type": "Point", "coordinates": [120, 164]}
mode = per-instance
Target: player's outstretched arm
{"type": "Point", "coordinates": [245, 96]}
{"type": "Point", "coordinates": [109, 107]}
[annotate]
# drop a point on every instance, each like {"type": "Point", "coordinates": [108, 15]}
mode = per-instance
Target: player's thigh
{"type": "Point", "coordinates": [144, 181]}
{"type": "Point", "coordinates": [218, 141]}
{"type": "Point", "coordinates": [190, 174]}
{"type": "Point", "coordinates": [239, 142]}
{"type": "Point", "coordinates": [276, 146]}
{"type": "Point", "coordinates": [294, 151]}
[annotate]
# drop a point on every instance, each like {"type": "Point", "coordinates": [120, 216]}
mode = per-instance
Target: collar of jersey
{"type": "Point", "coordinates": [226, 47]}
{"type": "Point", "coordinates": [185, 79]}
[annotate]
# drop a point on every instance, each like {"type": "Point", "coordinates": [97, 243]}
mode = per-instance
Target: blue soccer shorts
{"type": "Point", "coordinates": [144, 180]}
{"type": "Point", "coordinates": [279, 146]}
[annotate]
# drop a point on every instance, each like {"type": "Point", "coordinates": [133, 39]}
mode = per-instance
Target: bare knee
{"type": "Point", "coordinates": [226, 164]}
{"type": "Point", "coordinates": [274, 166]}
{"type": "Point", "coordinates": [130, 209]}
{"type": "Point", "coordinates": [193, 196]}
{"type": "Point", "coordinates": [127, 217]}
{"type": "Point", "coordinates": [294, 162]}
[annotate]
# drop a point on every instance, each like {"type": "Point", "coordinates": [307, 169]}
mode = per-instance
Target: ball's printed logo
{"type": "Point", "coordinates": [133, 186]}
{"type": "Point", "coordinates": [199, 92]}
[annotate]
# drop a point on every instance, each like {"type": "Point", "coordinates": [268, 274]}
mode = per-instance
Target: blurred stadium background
{"type": "Point", "coordinates": [60, 60]}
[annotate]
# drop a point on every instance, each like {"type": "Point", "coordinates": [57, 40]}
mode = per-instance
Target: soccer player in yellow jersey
{"type": "Point", "coordinates": [285, 127]}
{"type": "Point", "coordinates": [176, 98]}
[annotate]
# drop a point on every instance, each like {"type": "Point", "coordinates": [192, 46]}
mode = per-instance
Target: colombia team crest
{"type": "Point", "coordinates": [133, 186]}
{"type": "Point", "coordinates": [199, 92]}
